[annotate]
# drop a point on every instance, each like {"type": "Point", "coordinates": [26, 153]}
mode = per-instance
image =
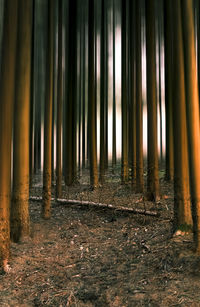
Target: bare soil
{"type": "Point", "coordinates": [84, 256]}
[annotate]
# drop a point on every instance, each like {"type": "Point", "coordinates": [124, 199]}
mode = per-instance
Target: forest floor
{"type": "Point", "coordinates": [86, 256]}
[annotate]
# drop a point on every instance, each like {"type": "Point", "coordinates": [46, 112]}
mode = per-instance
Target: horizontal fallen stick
{"type": "Point", "coordinates": [100, 205]}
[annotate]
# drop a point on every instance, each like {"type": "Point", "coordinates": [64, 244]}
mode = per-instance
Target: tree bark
{"type": "Point", "coordinates": [182, 209]}
{"type": "Point", "coordinates": [132, 83]}
{"type": "Point", "coordinates": [152, 177]}
{"type": "Point", "coordinates": [114, 97]}
{"type": "Point", "coordinates": [7, 92]}
{"type": "Point", "coordinates": [59, 104]}
{"type": "Point", "coordinates": [102, 95]}
{"type": "Point", "coordinates": [91, 100]}
{"type": "Point", "coordinates": [139, 111]}
{"type": "Point", "coordinates": [169, 166]}
{"type": "Point", "coordinates": [124, 170]}
{"type": "Point", "coordinates": [192, 108]}
{"type": "Point", "coordinates": [20, 198]}
{"type": "Point", "coordinates": [46, 208]}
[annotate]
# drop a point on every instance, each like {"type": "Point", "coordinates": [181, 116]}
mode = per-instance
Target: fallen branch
{"type": "Point", "coordinates": [100, 205]}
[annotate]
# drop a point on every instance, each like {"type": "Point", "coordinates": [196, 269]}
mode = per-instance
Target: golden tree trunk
{"type": "Point", "coordinates": [182, 208]}
{"type": "Point", "coordinates": [7, 91]}
{"type": "Point", "coordinates": [192, 108]}
{"type": "Point", "coordinates": [20, 198]}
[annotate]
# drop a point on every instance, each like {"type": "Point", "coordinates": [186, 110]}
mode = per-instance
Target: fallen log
{"type": "Point", "coordinates": [100, 205]}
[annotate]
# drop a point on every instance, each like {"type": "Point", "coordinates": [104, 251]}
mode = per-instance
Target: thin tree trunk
{"type": "Point", "coordinates": [169, 168]}
{"type": "Point", "coordinates": [102, 95]}
{"type": "Point", "coordinates": [182, 209]}
{"type": "Point", "coordinates": [106, 85]}
{"type": "Point", "coordinates": [59, 104]}
{"type": "Point", "coordinates": [159, 38]}
{"type": "Point", "coordinates": [114, 97]}
{"type": "Point", "coordinates": [91, 100]}
{"type": "Point", "coordinates": [71, 120]}
{"type": "Point", "coordinates": [7, 92]}
{"type": "Point", "coordinates": [20, 198]}
{"type": "Point", "coordinates": [139, 111]}
{"type": "Point", "coordinates": [46, 208]}
{"type": "Point", "coordinates": [124, 171]}
{"type": "Point", "coordinates": [132, 76]}
{"type": "Point", "coordinates": [193, 120]}
{"type": "Point", "coordinates": [32, 101]}
{"type": "Point", "coordinates": [83, 108]}
{"type": "Point", "coordinates": [152, 178]}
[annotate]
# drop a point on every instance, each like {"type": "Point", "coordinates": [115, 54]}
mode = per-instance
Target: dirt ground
{"type": "Point", "coordinates": [85, 256]}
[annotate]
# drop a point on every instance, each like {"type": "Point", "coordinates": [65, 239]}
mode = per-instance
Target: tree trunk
{"type": "Point", "coordinates": [91, 100]}
{"type": "Point", "coordinates": [124, 171]}
{"type": "Point", "coordinates": [192, 108]}
{"type": "Point", "coordinates": [182, 210]}
{"type": "Point", "coordinates": [7, 92]}
{"type": "Point", "coordinates": [114, 97]}
{"type": "Point", "coordinates": [46, 208]}
{"type": "Point", "coordinates": [152, 177]}
{"type": "Point", "coordinates": [83, 108]}
{"type": "Point", "coordinates": [20, 198]}
{"type": "Point", "coordinates": [71, 120]}
{"type": "Point", "coordinates": [139, 111]}
{"type": "Point", "coordinates": [132, 83]}
{"type": "Point", "coordinates": [59, 105]}
{"type": "Point", "coordinates": [102, 95]}
{"type": "Point", "coordinates": [169, 168]}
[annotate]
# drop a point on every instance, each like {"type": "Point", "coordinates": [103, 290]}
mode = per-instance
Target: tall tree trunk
{"type": "Point", "coordinates": [132, 114]}
{"type": "Point", "coordinates": [159, 38]}
{"type": "Point", "coordinates": [71, 120]}
{"type": "Point", "coordinates": [32, 101]}
{"type": "Point", "coordinates": [106, 84]}
{"type": "Point", "coordinates": [192, 107]}
{"type": "Point", "coordinates": [83, 94]}
{"type": "Point", "coordinates": [182, 210]}
{"type": "Point", "coordinates": [114, 97]}
{"type": "Point", "coordinates": [59, 104]}
{"type": "Point", "coordinates": [152, 178]}
{"type": "Point", "coordinates": [20, 198]}
{"type": "Point", "coordinates": [91, 100]}
{"type": "Point", "coordinates": [169, 168]}
{"type": "Point", "coordinates": [7, 92]}
{"type": "Point", "coordinates": [124, 171]}
{"type": "Point", "coordinates": [46, 208]}
{"type": "Point", "coordinates": [139, 111]}
{"type": "Point", "coordinates": [102, 95]}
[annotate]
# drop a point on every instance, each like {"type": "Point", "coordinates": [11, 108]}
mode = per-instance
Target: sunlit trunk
{"type": "Point", "coordinates": [192, 108]}
{"type": "Point", "coordinates": [91, 100]}
{"type": "Point", "coordinates": [7, 92]}
{"type": "Point", "coordinates": [182, 207]}
{"type": "Point", "coordinates": [46, 208]}
{"type": "Point", "coordinates": [20, 197]}
{"type": "Point", "coordinates": [152, 177]}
